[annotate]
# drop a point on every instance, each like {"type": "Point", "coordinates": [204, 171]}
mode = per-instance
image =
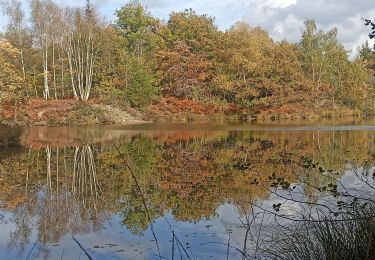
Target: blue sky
{"type": "Point", "coordinates": [283, 19]}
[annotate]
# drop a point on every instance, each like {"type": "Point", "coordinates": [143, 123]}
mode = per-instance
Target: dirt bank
{"type": "Point", "coordinates": [67, 113]}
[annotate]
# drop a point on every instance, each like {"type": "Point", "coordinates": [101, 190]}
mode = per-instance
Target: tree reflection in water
{"type": "Point", "coordinates": [63, 200]}
{"type": "Point", "coordinates": [54, 191]}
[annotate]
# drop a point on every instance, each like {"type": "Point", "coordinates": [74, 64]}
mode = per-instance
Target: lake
{"type": "Point", "coordinates": [175, 191]}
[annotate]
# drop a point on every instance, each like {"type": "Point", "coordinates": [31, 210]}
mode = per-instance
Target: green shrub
{"type": "Point", "coordinates": [142, 89]}
{"type": "Point", "coordinates": [112, 96]}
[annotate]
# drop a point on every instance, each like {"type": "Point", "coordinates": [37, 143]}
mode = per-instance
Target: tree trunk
{"type": "Point", "coordinates": [54, 69]}
{"type": "Point", "coordinates": [46, 88]}
{"type": "Point", "coordinates": [24, 73]}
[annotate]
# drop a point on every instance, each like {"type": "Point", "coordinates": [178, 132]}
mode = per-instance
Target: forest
{"type": "Point", "coordinates": [61, 65]}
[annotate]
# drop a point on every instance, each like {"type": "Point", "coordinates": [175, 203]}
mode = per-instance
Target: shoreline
{"type": "Point", "coordinates": [202, 119]}
{"type": "Point", "coordinates": [93, 113]}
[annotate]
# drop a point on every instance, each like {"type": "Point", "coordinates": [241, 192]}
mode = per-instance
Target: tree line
{"type": "Point", "coordinates": [139, 61]}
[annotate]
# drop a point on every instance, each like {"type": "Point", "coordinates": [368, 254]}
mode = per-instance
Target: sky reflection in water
{"type": "Point", "coordinates": [194, 180]}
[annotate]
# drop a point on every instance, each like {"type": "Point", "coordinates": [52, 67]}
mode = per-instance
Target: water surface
{"type": "Point", "coordinates": [167, 191]}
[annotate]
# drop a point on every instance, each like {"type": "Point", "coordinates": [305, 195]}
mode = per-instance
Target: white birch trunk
{"type": "Point", "coordinates": [81, 58]}
{"type": "Point", "coordinates": [46, 87]}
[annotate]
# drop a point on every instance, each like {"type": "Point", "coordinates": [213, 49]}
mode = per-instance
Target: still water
{"type": "Point", "coordinates": [169, 191]}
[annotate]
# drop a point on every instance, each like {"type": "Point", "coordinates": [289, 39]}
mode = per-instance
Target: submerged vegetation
{"type": "Point", "coordinates": [181, 69]}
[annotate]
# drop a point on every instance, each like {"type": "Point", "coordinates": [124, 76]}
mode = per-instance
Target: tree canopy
{"type": "Point", "coordinates": [143, 62]}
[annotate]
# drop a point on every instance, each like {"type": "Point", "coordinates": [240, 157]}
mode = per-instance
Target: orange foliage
{"type": "Point", "coordinates": [180, 70]}
{"type": "Point", "coordinates": [172, 105]}
{"type": "Point", "coordinates": [7, 109]}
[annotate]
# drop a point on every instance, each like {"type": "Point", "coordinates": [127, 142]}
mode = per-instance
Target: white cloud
{"type": "Point", "coordinates": [281, 3]}
{"type": "Point", "coordinates": [284, 21]}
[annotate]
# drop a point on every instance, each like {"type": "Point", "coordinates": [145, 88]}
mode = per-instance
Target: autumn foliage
{"type": "Point", "coordinates": [172, 108]}
{"type": "Point", "coordinates": [185, 66]}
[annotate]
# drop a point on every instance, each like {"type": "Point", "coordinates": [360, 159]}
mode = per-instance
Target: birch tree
{"type": "Point", "coordinates": [56, 25]}
{"type": "Point", "coordinates": [42, 20]}
{"type": "Point", "coordinates": [82, 49]}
